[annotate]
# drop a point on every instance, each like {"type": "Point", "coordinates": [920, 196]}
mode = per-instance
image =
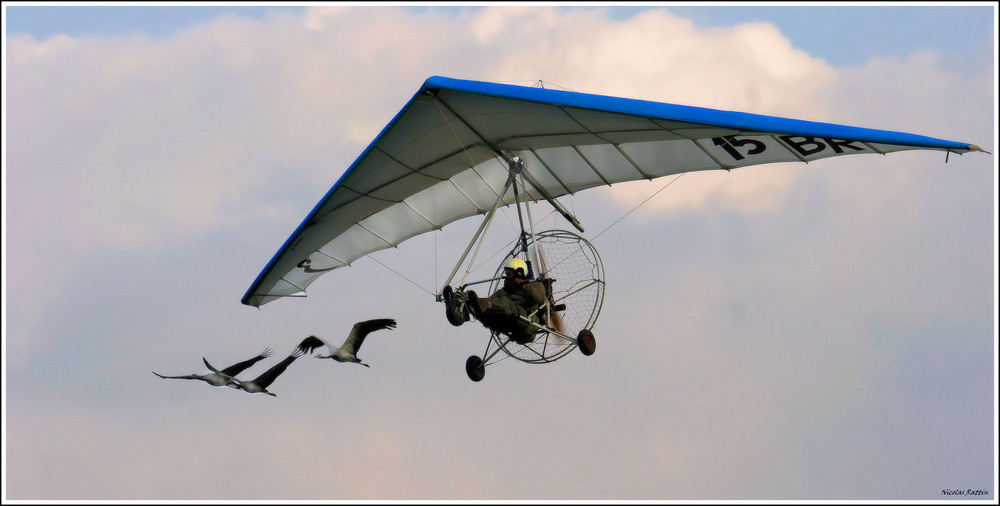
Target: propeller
{"type": "Point", "coordinates": [555, 319]}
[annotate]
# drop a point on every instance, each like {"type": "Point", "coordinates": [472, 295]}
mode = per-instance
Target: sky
{"type": "Point", "coordinates": [784, 332]}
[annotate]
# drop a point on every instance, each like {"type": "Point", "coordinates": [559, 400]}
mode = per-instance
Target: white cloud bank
{"type": "Point", "coordinates": [750, 310]}
{"type": "Point", "coordinates": [182, 129]}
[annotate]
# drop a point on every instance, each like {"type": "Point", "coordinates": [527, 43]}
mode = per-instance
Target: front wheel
{"type": "Point", "coordinates": [455, 312]}
{"type": "Point", "coordinates": [454, 307]}
{"type": "Point", "coordinates": [475, 368]}
{"type": "Point", "coordinates": [585, 339]}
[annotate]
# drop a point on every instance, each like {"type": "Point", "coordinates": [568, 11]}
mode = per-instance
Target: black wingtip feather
{"type": "Point", "coordinates": [309, 344]}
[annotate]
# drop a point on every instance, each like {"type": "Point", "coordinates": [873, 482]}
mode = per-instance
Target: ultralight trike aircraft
{"type": "Point", "coordinates": [460, 148]}
{"type": "Point", "coordinates": [569, 268]}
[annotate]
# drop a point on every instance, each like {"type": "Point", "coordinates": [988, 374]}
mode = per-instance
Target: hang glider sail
{"type": "Point", "coordinates": [446, 156]}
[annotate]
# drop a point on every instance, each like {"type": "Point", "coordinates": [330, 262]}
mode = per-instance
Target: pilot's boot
{"type": "Point", "coordinates": [476, 305]}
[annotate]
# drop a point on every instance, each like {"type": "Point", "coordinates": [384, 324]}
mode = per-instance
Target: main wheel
{"type": "Point", "coordinates": [475, 368]}
{"type": "Point", "coordinates": [585, 340]}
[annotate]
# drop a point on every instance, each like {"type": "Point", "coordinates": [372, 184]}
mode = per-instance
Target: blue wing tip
{"type": "Point", "coordinates": [433, 83]}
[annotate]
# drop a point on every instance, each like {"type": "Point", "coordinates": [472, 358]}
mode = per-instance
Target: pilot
{"type": "Point", "coordinates": [517, 297]}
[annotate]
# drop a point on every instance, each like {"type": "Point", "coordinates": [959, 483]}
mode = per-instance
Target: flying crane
{"type": "Point", "coordinates": [348, 351]}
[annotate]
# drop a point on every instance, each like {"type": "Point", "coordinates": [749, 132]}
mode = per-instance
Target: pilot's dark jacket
{"type": "Point", "coordinates": [512, 300]}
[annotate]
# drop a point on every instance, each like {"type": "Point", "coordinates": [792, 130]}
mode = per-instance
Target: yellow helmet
{"type": "Point", "coordinates": [517, 264]}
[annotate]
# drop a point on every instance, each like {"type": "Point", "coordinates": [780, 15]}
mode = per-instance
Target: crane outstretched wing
{"type": "Point", "coordinates": [237, 368]}
{"type": "Point", "coordinates": [268, 377]}
{"type": "Point", "coordinates": [311, 343]}
{"type": "Point", "coordinates": [362, 329]}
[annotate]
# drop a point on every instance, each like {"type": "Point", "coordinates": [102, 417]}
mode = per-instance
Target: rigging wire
{"type": "Point", "coordinates": [399, 274]}
{"type": "Point", "coordinates": [672, 181]}
{"type": "Point", "coordinates": [472, 165]}
{"type": "Point", "coordinates": [503, 210]}
{"type": "Point", "coordinates": [507, 247]}
{"type": "Point", "coordinates": [437, 279]}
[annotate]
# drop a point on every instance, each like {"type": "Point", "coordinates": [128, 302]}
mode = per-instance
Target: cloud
{"type": "Point", "coordinates": [160, 142]}
{"type": "Point", "coordinates": [657, 56]}
{"type": "Point", "coordinates": [746, 312]}
{"type": "Point", "coordinates": [156, 133]}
